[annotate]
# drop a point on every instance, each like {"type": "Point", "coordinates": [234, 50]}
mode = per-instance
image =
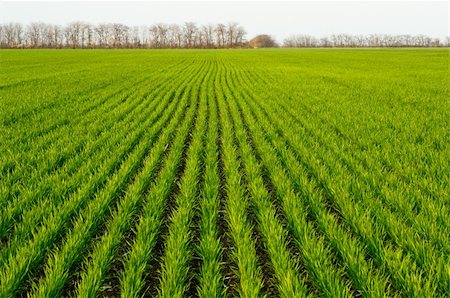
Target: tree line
{"type": "Point", "coordinates": [364, 41]}
{"type": "Point", "coordinates": [187, 35]}
{"type": "Point", "coordinates": [116, 35]}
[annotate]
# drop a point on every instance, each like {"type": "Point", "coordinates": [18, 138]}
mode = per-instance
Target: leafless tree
{"type": "Point", "coordinates": [373, 40]}
{"type": "Point", "coordinates": [134, 37]}
{"type": "Point", "coordinates": [101, 33]}
{"type": "Point", "coordinates": [221, 33]}
{"type": "Point", "coordinates": [188, 35]}
{"type": "Point", "coordinates": [208, 35]}
{"type": "Point", "coordinates": [154, 36]}
{"type": "Point", "coordinates": [325, 42]}
{"type": "Point", "coordinates": [119, 35]}
{"type": "Point", "coordinates": [12, 35]}
{"type": "Point", "coordinates": [189, 31]}
{"type": "Point", "coordinates": [86, 35]}
{"type": "Point", "coordinates": [163, 31]}
{"type": "Point", "coordinates": [35, 34]}
{"type": "Point", "coordinates": [240, 35]}
{"type": "Point", "coordinates": [231, 33]}
{"type": "Point", "coordinates": [175, 36]}
{"type": "Point", "coordinates": [2, 36]}
{"type": "Point", "coordinates": [300, 41]}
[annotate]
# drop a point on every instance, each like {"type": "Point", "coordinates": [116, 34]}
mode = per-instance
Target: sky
{"type": "Point", "coordinates": [278, 18]}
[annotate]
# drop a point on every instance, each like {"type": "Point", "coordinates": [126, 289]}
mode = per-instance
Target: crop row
{"type": "Point", "coordinates": [218, 174]}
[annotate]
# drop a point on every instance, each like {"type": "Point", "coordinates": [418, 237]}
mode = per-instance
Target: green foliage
{"type": "Point", "coordinates": [287, 173]}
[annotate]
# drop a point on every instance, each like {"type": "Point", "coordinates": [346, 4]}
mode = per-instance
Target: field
{"type": "Point", "coordinates": [214, 173]}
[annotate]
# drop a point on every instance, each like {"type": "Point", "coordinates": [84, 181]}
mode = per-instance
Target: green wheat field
{"type": "Point", "coordinates": [218, 173]}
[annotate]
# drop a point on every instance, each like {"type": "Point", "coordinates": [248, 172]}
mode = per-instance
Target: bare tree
{"type": "Point", "coordinates": [189, 32]}
{"type": "Point", "coordinates": [325, 42]}
{"type": "Point", "coordinates": [33, 33]}
{"type": "Point", "coordinates": [2, 36]}
{"type": "Point", "coordinates": [231, 34]}
{"type": "Point", "coordinates": [154, 36]}
{"type": "Point", "coordinates": [12, 35]}
{"type": "Point", "coordinates": [175, 36]}
{"type": "Point", "coordinates": [301, 41]}
{"type": "Point", "coordinates": [163, 31]}
{"type": "Point", "coordinates": [73, 34]}
{"type": "Point", "coordinates": [144, 37]}
{"type": "Point", "coordinates": [49, 40]}
{"type": "Point", "coordinates": [361, 40]}
{"type": "Point", "coordinates": [134, 37]}
{"type": "Point", "coordinates": [188, 35]}
{"type": "Point", "coordinates": [119, 35]}
{"type": "Point", "coordinates": [159, 35]}
{"type": "Point", "coordinates": [101, 33]}
{"type": "Point", "coordinates": [221, 33]}
{"type": "Point", "coordinates": [208, 35]}
{"type": "Point", "coordinates": [240, 35]}
{"type": "Point", "coordinates": [86, 35]}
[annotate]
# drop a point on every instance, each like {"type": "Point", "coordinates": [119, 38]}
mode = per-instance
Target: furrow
{"type": "Point", "coordinates": [150, 221]}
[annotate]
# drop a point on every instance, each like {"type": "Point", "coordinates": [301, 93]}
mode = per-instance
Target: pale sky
{"type": "Point", "coordinates": [279, 19]}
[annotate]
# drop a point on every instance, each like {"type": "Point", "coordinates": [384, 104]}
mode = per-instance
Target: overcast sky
{"type": "Point", "coordinates": [280, 19]}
